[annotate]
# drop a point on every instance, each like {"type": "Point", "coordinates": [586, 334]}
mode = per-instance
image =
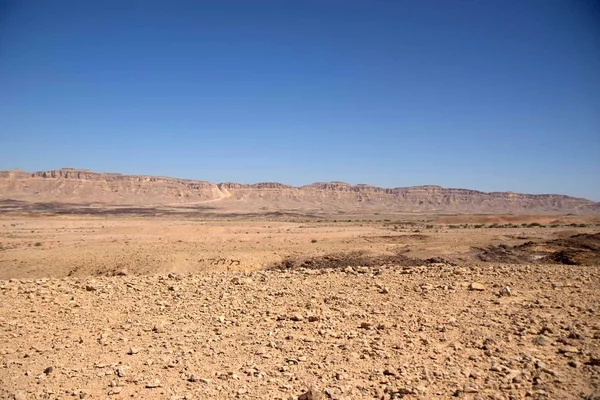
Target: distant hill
{"type": "Point", "coordinates": [79, 186]}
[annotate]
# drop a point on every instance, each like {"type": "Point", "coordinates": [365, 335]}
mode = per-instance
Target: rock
{"type": "Point", "coordinates": [390, 371]}
{"type": "Point", "coordinates": [296, 317]}
{"type": "Point", "coordinates": [313, 318]}
{"type": "Point", "coordinates": [90, 288]}
{"type": "Point", "coordinates": [366, 325]}
{"type": "Point", "coordinates": [48, 370]}
{"type": "Point", "coordinates": [384, 290]}
{"type": "Point", "coordinates": [122, 371]}
{"type": "Point", "coordinates": [153, 384]}
{"type": "Point", "coordinates": [540, 340]}
{"type": "Point", "coordinates": [594, 360]}
{"type": "Point", "coordinates": [133, 350]}
{"type": "Point", "coordinates": [241, 391]}
{"type": "Point", "coordinates": [505, 291]}
{"type": "Point", "coordinates": [310, 394]}
{"type": "Point", "coordinates": [568, 349]}
{"type": "Point", "coordinates": [545, 329]}
{"type": "Point", "coordinates": [477, 286]}
{"type": "Point", "coordinates": [115, 390]}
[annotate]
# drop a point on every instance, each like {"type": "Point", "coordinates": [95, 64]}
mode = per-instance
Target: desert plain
{"type": "Point", "coordinates": [181, 305]}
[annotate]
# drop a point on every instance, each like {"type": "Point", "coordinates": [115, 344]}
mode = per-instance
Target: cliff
{"type": "Point", "coordinates": [79, 186]}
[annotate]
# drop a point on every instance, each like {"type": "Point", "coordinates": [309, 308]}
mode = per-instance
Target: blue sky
{"type": "Point", "coordinates": [489, 95]}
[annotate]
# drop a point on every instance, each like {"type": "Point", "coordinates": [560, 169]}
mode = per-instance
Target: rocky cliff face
{"type": "Point", "coordinates": [84, 186]}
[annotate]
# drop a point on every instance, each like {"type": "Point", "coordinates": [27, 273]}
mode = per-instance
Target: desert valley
{"type": "Point", "coordinates": [120, 286]}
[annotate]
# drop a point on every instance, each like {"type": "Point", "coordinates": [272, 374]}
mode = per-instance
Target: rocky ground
{"type": "Point", "coordinates": [483, 331]}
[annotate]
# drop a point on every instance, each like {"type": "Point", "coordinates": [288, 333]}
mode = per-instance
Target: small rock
{"type": "Point", "coordinates": [153, 384]}
{"type": "Point", "coordinates": [594, 360]}
{"type": "Point", "coordinates": [568, 349]}
{"type": "Point", "coordinates": [540, 340]}
{"type": "Point", "coordinates": [366, 325]}
{"type": "Point", "coordinates": [476, 286]}
{"type": "Point", "coordinates": [297, 317]}
{"type": "Point", "coordinates": [48, 370]}
{"type": "Point", "coordinates": [310, 394]}
{"type": "Point", "coordinates": [122, 371]}
{"type": "Point", "coordinates": [505, 291]}
{"type": "Point", "coordinates": [133, 350]}
{"type": "Point", "coordinates": [390, 371]}
{"type": "Point", "coordinates": [115, 390]}
{"type": "Point", "coordinates": [545, 329]}
{"type": "Point", "coordinates": [313, 318]}
{"type": "Point", "coordinates": [241, 391]}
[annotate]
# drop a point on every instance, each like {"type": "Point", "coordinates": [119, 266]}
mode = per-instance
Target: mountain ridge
{"type": "Point", "coordinates": [82, 185]}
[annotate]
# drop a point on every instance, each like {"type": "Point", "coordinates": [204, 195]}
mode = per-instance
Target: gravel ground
{"type": "Point", "coordinates": [488, 331]}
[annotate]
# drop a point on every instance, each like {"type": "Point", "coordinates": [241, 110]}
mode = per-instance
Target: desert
{"type": "Point", "coordinates": [226, 299]}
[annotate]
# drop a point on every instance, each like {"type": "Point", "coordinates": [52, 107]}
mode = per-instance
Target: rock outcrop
{"type": "Point", "coordinates": [70, 185]}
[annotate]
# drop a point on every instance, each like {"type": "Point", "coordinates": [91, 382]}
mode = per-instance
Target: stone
{"type": "Point", "coordinates": [568, 349]}
{"type": "Point", "coordinates": [505, 291]}
{"type": "Point", "coordinates": [122, 371]}
{"type": "Point", "coordinates": [540, 340]}
{"type": "Point", "coordinates": [475, 286]}
{"type": "Point", "coordinates": [594, 360]}
{"type": "Point", "coordinates": [153, 384]}
{"type": "Point", "coordinates": [310, 394]}
{"type": "Point", "coordinates": [115, 390]}
{"type": "Point", "coordinates": [133, 350]}
{"type": "Point", "coordinates": [296, 317]}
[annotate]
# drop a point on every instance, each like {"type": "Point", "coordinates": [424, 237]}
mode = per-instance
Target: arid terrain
{"type": "Point", "coordinates": [174, 302]}
{"type": "Point", "coordinates": [68, 188]}
{"type": "Point", "coordinates": [277, 306]}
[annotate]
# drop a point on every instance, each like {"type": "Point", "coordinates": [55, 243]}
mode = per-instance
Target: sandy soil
{"type": "Point", "coordinates": [127, 306]}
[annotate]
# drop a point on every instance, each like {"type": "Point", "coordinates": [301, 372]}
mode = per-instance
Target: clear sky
{"type": "Point", "coordinates": [492, 95]}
